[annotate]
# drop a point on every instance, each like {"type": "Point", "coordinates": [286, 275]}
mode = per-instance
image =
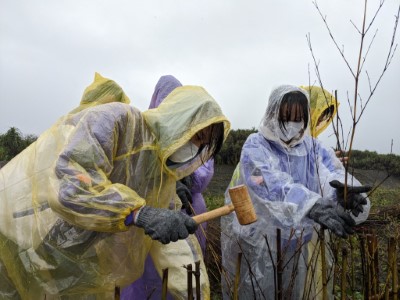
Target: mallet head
{"type": "Point", "coordinates": [242, 203]}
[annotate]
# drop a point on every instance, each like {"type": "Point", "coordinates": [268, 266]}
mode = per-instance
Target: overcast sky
{"type": "Point", "coordinates": [237, 50]}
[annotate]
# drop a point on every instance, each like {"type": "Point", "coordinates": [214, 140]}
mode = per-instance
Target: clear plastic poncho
{"type": "Point", "coordinates": [64, 199]}
{"type": "Point", "coordinates": [284, 182]}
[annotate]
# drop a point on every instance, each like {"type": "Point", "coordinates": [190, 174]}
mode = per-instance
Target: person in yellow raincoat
{"type": "Point", "coordinates": [323, 109]}
{"type": "Point", "coordinates": [81, 207]}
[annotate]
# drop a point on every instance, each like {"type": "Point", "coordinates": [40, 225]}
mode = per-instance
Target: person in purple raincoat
{"type": "Point", "coordinates": [189, 191]}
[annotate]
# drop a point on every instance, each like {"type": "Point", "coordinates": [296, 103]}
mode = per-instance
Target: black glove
{"type": "Point", "coordinates": [328, 216]}
{"type": "Point", "coordinates": [165, 225]}
{"type": "Point", "coordinates": [183, 192]}
{"type": "Point", "coordinates": [354, 201]}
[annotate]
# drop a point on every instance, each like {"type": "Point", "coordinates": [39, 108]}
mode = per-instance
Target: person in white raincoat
{"type": "Point", "coordinates": [288, 175]}
{"type": "Point", "coordinates": [78, 206]}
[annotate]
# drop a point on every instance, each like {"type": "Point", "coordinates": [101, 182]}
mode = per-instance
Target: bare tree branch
{"type": "Point", "coordinates": [369, 47]}
{"type": "Point", "coordinates": [369, 81]}
{"type": "Point", "coordinates": [390, 55]}
{"type": "Point", "coordinates": [373, 18]}
{"type": "Point", "coordinates": [361, 102]}
{"type": "Point", "coordinates": [358, 30]}
{"type": "Point", "coordinates": [350, 106]}
{"type": "Point", "coordinates": [333, 39]}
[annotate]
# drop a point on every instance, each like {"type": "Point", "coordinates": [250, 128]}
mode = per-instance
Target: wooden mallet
{"type": "Point", "coordinates": [241, 204]}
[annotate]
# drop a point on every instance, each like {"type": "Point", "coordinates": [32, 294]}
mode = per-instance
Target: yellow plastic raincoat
{"type": "Point", "coordinates": [64, 199]}
{"type": "Point", "coordinates": [323, 108]}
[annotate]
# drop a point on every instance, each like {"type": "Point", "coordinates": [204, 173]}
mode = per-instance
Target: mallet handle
{"type": "Point", "coordinates": [215, 213]}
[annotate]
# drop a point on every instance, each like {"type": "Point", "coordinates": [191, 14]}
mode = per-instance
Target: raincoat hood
{"type": "Point", "coordinates": [187, 109]}
{"type": "Point", "coordinates": [269, 126]}
{"type": "Point", "coordinates": [101, 91]}
{"type": "Point", "coordinates": [321, 101]}
{"type": "Point", "coordinates": [165, 85]}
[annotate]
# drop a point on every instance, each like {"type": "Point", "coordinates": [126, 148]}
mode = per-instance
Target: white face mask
{"type": "Point", "coordinates": [293, 130]}
{"type": "Point", "coordinates": [184, 153]}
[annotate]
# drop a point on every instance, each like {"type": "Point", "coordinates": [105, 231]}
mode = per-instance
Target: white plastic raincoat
{"type": "Point", "coordinates": [284, 182]}
{"type": "Point", "coordinates": [64, 199]}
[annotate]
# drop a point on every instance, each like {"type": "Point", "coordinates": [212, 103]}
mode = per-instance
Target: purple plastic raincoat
{"type": "Point", "coordinates": [149, 286]}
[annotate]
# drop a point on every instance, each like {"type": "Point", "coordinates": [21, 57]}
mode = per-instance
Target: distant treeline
{"type": "Point", "coordinates": [365, 160]}
{"type": "Point", "coordinates": [13, 142]}
{"type": "Point", "coordinates": [370, 160]}
{"type": "Point", "coordinates": [230, 152]}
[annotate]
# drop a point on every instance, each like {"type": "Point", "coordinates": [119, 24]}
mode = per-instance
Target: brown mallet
{"type": "Point", "coordinates": [241, 204]}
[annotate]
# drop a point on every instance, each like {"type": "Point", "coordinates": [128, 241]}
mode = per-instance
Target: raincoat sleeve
{"type": "Point", "coordinates": [86, 196]}
{"type": "Point", "coordinates": [271, 187]}
{"type": "Point", "coordinates": [202, 176]}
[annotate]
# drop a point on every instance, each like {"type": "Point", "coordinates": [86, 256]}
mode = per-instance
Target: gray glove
{"type": "Point", "coordinates": [183, 192]}
{"type": "Point", "coordinates": [165, 225]}
{"type": "Point", "coordinates": [355, 200]}
{"type": "Point", "coordinates": [327, 215]}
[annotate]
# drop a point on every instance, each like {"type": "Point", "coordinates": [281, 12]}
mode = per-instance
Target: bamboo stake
{"type": "Point", "coordinates": [376, 262]}
{"type": "Point", "coordinates": [323, 264]}
{"type": "Point", "coordinates": [197, 277]}
{"type": "Point", "coordinates": [395, 284]}
{"type": "Point", "coordinates": [372, 270]}
{"type": "Point", "coordinates": [353, 279]}
{"type": "Point", "coordinates": [164, 284]}
{"type": "Point", "coordinates": [344, 272]}
{"type": "Point", "coordinates": [364, 264]}
{"type": "Point", "coordinates": [189, 282]}
{"type": "Point", "coordinates": [368, 268]}
{"type": "Point", "coordinates": [117, 292]}
{"type": "Point", "coordinates": [389, 273]}
{"type": "Point", "coordinates": [279, 264]}
{"type": "Point", "coordinates": [336, 264]}
{"type": "Point", "coordinates": [237, 277]}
